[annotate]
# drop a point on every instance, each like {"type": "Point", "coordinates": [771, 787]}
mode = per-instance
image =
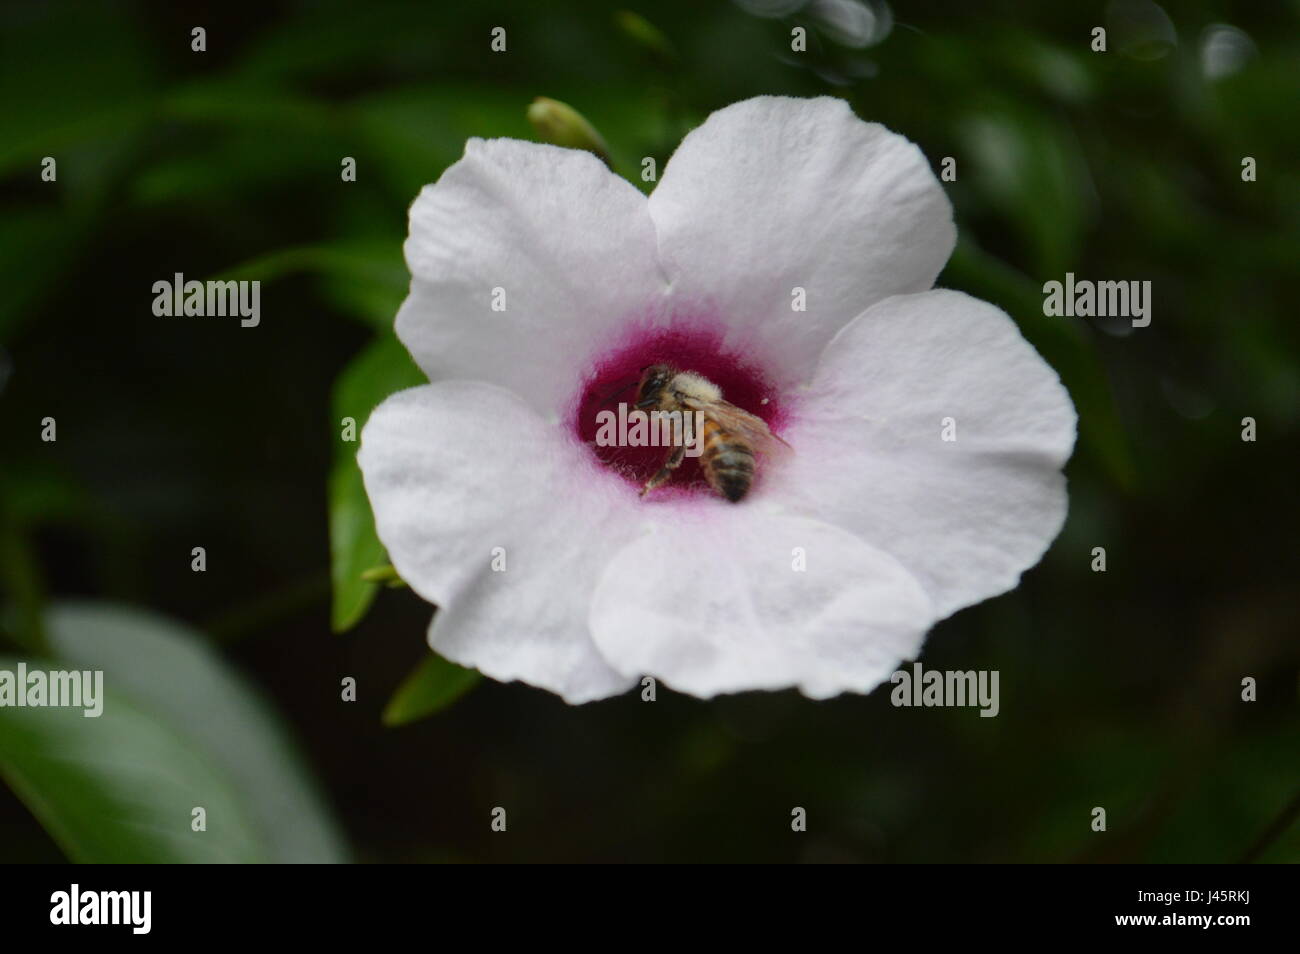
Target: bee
{"type": "Point", "coordinates": [731, 439]}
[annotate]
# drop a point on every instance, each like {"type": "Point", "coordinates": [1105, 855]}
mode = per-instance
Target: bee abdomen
{"type": "Point", "coordinates": [729, 467]}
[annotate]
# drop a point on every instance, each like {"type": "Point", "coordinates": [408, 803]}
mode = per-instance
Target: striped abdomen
{"type": "Point", "coordinates": [727, 461]}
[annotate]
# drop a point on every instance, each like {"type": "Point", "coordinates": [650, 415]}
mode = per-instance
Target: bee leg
{"type": "Point", "coordinates": [670, 464]}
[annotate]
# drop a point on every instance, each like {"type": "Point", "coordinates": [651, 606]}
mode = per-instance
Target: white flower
{"type": "Point", "coordinates": [546, 564]}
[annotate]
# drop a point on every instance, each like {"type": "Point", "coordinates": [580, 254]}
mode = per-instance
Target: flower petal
{"type": "Point", "coordinates": [967, 516]}
{"type": "Point", "coordinates": [463, 473]}
{"type": "Point", "coordinates": [775, 193]}
{"type": "Point", "coordinates": [716, 604]}
{"type": "Point", "coordinates": [569, 245]}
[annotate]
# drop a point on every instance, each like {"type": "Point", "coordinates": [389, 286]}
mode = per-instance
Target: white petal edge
{"type": "Point", "coordinates": [565, 245]}
{"type": "Point", "coordinates": [458, 469]}
{"type": "Point", "coordinates": [775, 193]}
{"type": "Point", "coordinates": [717, 604]}
{"type": "Point", "coordinates": [966, 517]}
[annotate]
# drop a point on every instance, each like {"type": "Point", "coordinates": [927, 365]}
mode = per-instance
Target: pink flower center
{"type": "Point", "coordinates": [614, 375]}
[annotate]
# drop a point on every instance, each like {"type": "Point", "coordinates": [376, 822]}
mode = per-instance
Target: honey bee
{"type": "Point", "coordinates": [731, 438]}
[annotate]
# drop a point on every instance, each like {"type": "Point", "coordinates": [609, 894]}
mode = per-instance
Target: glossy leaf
{"type": "Point", "coordinates": [433, 685]}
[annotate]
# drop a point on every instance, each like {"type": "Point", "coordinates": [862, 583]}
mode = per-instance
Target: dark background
{"type": "Point", "coordinates": [1119, 689]}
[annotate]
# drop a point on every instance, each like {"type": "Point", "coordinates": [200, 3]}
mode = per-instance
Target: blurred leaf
{"type": "Point", "coordinates": [168, 671]}
{"type": "Point", "coordinates": [120, 788]}
{"type": "Point", "coordinates": [179, 730]}
{"type": "Point", "coordinates": [1054, 69]}
{"type": "Point", "coordinates": [327, 39]}
{"type": "Point", "coordinates": [24, 591]}
{"type": "Point", "coordinates": [210, 174]}
{"type": "Point", "coordinates": [411, 134]}
{"type": "Point", "coordinates": [1031, 170]}
{"type": "Point", "coordinates": [50, 107]}
{"type": "Point", "coordinates": [431, 686]}
{"type": "Point", "coordinates": [268, 609]}
{"type": "Point", "coordinates": [373, 285]}
{"type": "Point", "coordinates": [226, 103]}
{"type": "Point", "coordinates": [381, 369]}
{"type": "Point", "coordinates": [645, 34]}
{"type": "Point", "coordinates": [366, 278]}
{"type": "Point", "coordinates": [39, 246]}
{"type": "Point", "coordinates": [35, 496]}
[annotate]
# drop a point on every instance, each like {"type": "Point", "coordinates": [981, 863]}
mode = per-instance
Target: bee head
{"type": "Point", "coordinates": [654, 378]}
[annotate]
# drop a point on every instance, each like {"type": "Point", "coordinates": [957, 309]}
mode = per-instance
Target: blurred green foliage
{"type": "Point", "coordinates": [1120, 689]}
{"type": "Point", "coordinates": [178, 731]}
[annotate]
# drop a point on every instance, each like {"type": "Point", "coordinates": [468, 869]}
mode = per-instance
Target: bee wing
{"type": "Point", "coordinates": [748, 427]}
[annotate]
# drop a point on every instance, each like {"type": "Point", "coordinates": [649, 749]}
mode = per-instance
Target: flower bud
{"type": "Point", "coordinates": [562, 125]}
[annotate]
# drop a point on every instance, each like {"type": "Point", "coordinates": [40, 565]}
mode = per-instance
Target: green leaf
{"type": "Point", "coordinates": [179, 730]}
{"type": "Point", "coordinates": [120, 788]}
{"type": "Point", "coordinates": [381, 369]}
{"type": "Point", "coordinates": [433, 685]}
{"type": "Point", "coordinates": [386, 574]}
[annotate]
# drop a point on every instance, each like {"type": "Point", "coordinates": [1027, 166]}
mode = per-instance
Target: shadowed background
{"type": "Point", "coordinates": [1119, 689]}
